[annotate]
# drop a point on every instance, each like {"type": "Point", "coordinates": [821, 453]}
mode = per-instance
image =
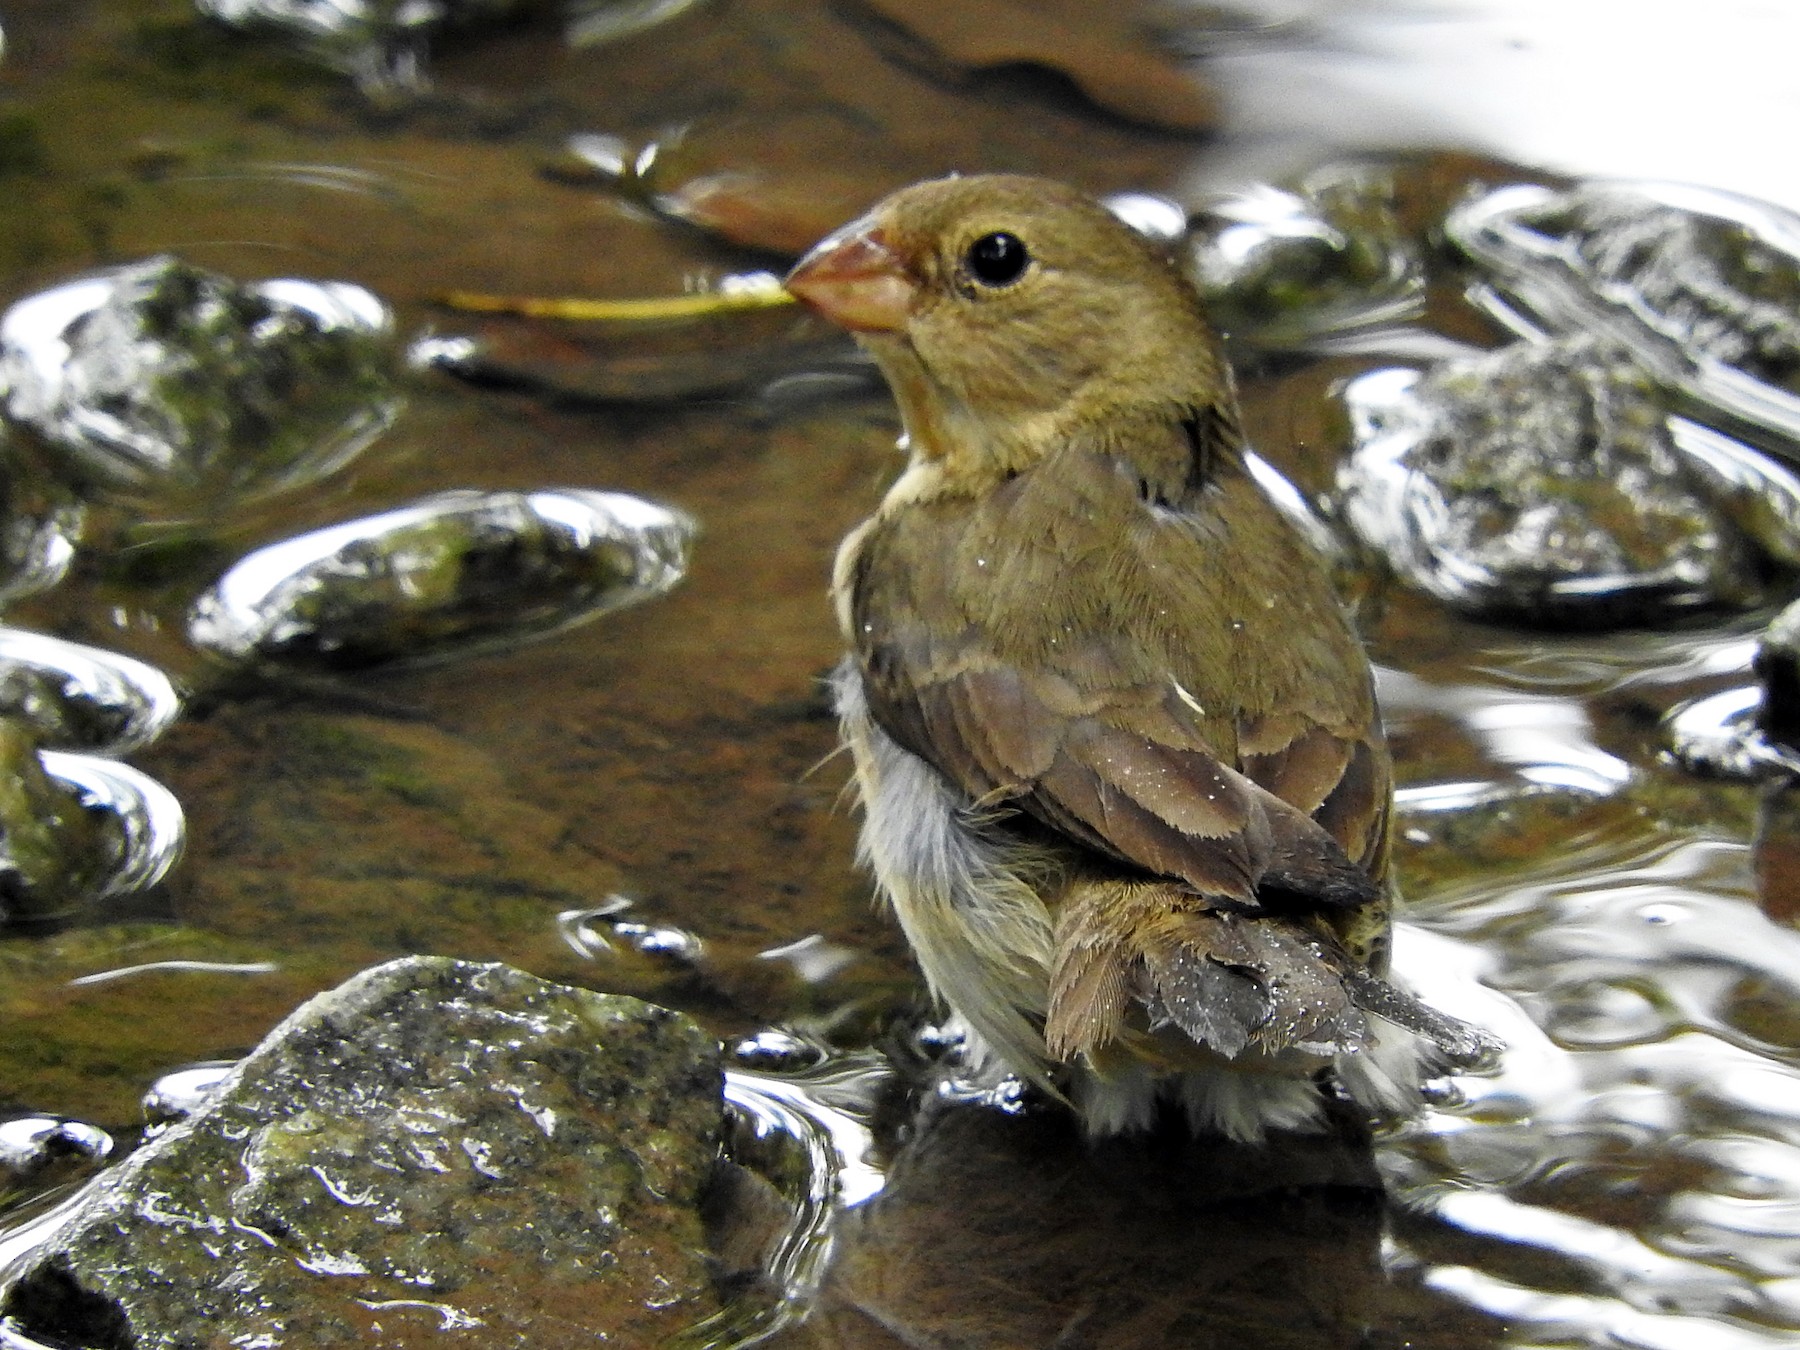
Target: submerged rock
{"type": "Point", "coordinates": [39, 1151]}
{"type": "Point", "coordinates": [40, 525]}
{"type": "Point", "coordinates": [452, 573]}
{"type": "Point", "coordinates": [1281, 265]}
{"type": "Point", "coordinates": [433, 1146]}
{"type": "Point", "coordinates": [77, 697]}
{"type": "Point", "coordinates": [76, 828]}
{"type": "Point", "coordinates": [380, 43]}
{"type": "Point", "coordinates": [53, 853]}
{"type": "Point", "coordinates": [1703, 286]}
{"type": "Point", "coordinates": [1543, 483]}
{"type": "Point", "coordinates": [161, 381]}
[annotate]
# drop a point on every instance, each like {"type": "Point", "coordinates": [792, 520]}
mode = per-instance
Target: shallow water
{"type": "Point", "coordinates": [649, 804]}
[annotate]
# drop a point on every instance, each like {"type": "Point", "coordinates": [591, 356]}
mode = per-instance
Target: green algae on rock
{"type": "Point", "coordinates": [435, 1144]}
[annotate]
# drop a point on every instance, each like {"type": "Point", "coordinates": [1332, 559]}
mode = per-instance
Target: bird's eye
{"type": "Point", "coordinates": [997, 259]}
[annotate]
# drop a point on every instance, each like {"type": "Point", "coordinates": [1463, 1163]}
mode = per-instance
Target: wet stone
{"type": "Point", "coordinates": [381, 44]}
{"type": "Point", "coordinates": [452, 573]}
{"type": "Point", "coordinates": [40, 1151]}
{"type": "Point", "coordinates": [160, 381]}
{"type": "Point", "coordinates": [503, 1157]}
{"type": "Point", "coordinates": [1281, 265]}
{"type": "Point", "coordinates": [1540, 483]}
{"type": "Point", "coordinates": [76, 828]}
{"type": "Point", "coordinates": [1704, 286]}
{"type": "Point", "coordinates": [40, 525]}
{"type": "Point", "coordinates": [54, 854]}
{"type": "Point", "coordinates": [77, 697]}
{"type": "Point", "coordinates": [141, 822]}
{"type": "Point", "coordinates": [181, 1092]}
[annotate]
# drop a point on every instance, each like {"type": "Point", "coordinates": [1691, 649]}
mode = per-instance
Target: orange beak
{"type": "Point", "coordinates": [857, 280]}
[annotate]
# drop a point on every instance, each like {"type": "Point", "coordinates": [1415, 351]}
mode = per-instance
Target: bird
{"type": "Point", "coordinates": [1121, 768]}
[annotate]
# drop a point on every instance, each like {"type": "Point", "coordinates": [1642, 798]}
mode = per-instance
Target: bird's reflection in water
{"type": "Point", "coordinates": [997, 1230]}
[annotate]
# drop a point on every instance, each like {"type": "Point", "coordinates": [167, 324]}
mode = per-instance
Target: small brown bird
{"type": "Point", "coordinates": [1123, 775]}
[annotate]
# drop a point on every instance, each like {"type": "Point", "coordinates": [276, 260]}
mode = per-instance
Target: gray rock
{"type": "Point", "coordinates": [1542, 482]}
{"type": "Point", "coordinates": [435, 1146]}
{"type": "Point", "coordinates": [1702, 285]}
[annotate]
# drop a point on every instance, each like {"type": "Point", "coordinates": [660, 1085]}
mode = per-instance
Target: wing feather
{"type": "Point", "coordinates": [1082, 718]}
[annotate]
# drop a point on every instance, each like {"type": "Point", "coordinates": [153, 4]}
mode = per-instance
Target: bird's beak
{"type": "Point", "coordinates": [856, 279]}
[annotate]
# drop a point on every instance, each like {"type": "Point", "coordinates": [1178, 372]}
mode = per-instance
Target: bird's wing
{"type": "Point", "coordinates": [1125, 770]}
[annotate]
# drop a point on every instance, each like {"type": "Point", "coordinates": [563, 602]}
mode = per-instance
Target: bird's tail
{"type": "Point", "coordinates": [1133, 957]}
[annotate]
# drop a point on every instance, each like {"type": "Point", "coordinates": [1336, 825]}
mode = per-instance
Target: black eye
{"type": "Point", "coordinates": [997, 259]}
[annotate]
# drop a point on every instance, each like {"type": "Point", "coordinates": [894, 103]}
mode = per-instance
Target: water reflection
{"type": "Point", "coordinates": [809, 1131]}
{"type": "Point", "coordinates": [1628, 1158]}
{"type": "Point", "coordinates": [1548, 741]}
{"type": "Point", "coordinates": [1008, 1230]}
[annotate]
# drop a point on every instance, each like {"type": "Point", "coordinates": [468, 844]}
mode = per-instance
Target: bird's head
{"type": "Point", "coordinates": [1007, 312]}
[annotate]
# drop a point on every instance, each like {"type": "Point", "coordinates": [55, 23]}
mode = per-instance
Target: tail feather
{"type": "Point", "coordinates": [1218, 1004]}
{"type": "Point", "coordinates": [1230, 982]}
{"type": "Point", "coordinates": [1089, 990]}
{"type": "Point", "coordinates": [1314, 1010]}
{"type": "Point", "coordinates": [1463, 1046]}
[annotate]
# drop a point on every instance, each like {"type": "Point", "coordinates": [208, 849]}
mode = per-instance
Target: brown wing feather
{"type": "Point", "coordinates": [1101, 722]}
{"type": "Point", "coordinates": [1159, 802]}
